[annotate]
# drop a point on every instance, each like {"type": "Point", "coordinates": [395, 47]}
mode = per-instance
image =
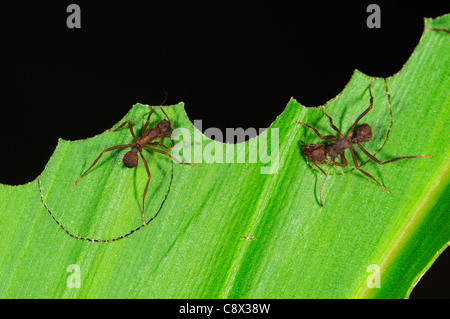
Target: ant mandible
{"type": "Point", "coordinates": [161, 129]}
{"type": "Point", "coordinates": [318, 153]}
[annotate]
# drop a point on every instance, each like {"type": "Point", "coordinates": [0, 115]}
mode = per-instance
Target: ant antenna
{"type": "Point", "coordinates": [160, 107]}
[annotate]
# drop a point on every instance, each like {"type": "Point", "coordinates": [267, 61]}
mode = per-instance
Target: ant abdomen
{"type": "Point", "coordinates": [363, 133]}
{"type": "Point", "coordinates": [130, 159]}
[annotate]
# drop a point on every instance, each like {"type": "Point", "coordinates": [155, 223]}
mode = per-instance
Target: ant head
{"type": "Point", "coordinates": [363, 134]}
{"type": "Point", "coordinates": [130, 159]}
{"type": "Point", "coordinates": [315, 152]}
{"type": "Point", "coordinates": [165, 127]}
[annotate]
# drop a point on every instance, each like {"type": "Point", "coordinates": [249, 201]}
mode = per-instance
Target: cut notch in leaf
{"type": "Point", "coordinates": [195, 248]}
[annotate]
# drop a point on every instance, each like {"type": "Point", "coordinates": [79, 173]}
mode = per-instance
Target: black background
{"type": "Point", "coordinates": [233, 65]}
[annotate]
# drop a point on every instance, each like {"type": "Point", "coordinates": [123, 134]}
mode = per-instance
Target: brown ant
{"type": "Point", "coordinates": [162, 129]}
{"type": "Point", "coordinates": [318, 153]}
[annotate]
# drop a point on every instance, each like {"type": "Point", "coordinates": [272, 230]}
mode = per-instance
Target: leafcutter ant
{"type": "Point", "coordinates": [319, 153]}
{"type": "Point", "coordinates": [162, 129]}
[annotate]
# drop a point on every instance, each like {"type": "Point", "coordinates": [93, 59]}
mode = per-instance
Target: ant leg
{"type": "Point", "coordinates": [122, 125]}
{"type": "Point", "coordinates": [350, 133]}
{"type": "Point", "coordinates": [153, 108]}
{"type": "Point", "coordinates": [373, 158]}
{"type": "Point", "coordinates": [148, 120]}
{"type": "Point", "coordinates": [170, 148]}
{"type": "Point", "coordinates": [146, 186]}
{"type": "Point", "coordinates": [317, 133]}
{"type": "Point", "coordinates": [335, 163]}
{"type": "Point", "coordinates": [167, 154]}
{"type": "Point", "coordinates": [344, 160]}
{"type": "Point", "coordinates": [331, 123]}
{"type": "Point", "coordinates": [160, 144]}
{"type": "Point", "coordinates": [323, 183]}
{"type": "Point", "coordinates": [96, 160]}
{"type": "Point", "coordinates": [364, 172]}
{"type": "Point", "coordinates": [344, 164]}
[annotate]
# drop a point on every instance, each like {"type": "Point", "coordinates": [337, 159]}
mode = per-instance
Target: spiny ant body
{"type": "Point", "coordinates": [160, 130]}
{"type": "Point", "coordinates": [320, 153]}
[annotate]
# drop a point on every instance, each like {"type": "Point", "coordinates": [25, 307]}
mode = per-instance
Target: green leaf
{"type": "Point", "coordinates": [196, 246]}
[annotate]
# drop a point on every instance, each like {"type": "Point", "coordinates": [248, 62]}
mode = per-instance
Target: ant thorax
{"type": "Point", "coordinates": [337, 147]}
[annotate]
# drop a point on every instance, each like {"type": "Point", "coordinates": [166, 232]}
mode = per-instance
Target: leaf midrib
{"type": "Point", "coordinates": [238, 261]}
